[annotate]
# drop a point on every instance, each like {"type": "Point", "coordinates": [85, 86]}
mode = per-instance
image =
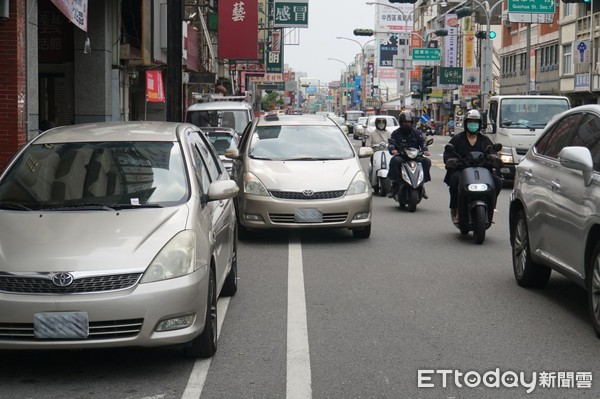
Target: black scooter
{"type": "Point", "coordinates": [476, 191]}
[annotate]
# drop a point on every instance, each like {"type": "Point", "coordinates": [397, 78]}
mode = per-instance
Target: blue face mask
{"type": "Point", "coordinates": [473, 127]}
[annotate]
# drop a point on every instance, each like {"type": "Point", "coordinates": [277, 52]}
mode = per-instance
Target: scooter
{"type": "Point", "coordinates": [476, 192]}
{"type": "Point", "coordinates": [379, 169]}
{"type": "Point", "coordinates": [410, 190]}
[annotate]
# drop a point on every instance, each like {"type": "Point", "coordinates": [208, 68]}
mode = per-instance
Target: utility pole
{"type": "Point", "coordinates": [174, 60]}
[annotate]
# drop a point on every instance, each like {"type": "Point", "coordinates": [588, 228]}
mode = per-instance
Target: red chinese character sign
{"type": "Point", "coordinates": [238, 29]}
{"type": "Point", "coordinates": [154, 87]}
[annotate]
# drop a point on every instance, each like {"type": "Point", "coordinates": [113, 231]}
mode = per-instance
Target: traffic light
{"type": "Point", "coordinates": [363, 32]}
{"type": "Point", "coordinates": [426, 80]}
{"type": "Point", "coordinates": [575, 1]}
{"type": "Point", "coordinates": [463, 12]}
{"type": "Point", "coordinates": [481, 34]}
{"type": "Point", "coordinates": [403, 1]}
{"type": "Point", "coordinates": [441, 32]}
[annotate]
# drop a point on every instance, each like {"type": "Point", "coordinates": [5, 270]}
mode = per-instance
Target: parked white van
{"type": "Point", "coordinates": [516, 121]}
{"type": "Point", "coordinates": [234, 114]}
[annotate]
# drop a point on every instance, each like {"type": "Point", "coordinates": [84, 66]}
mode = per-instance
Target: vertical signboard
{"type": "Point", "coordinates": [451, 41]}
{"type": "Point", "coordinates": [275, 51]}
{"type": "Point", "coordinates": [155, 92]}
{"type": "Point", "coordinates": [238, 29]}
{"type": "Point", "coordinates": [388, 48]}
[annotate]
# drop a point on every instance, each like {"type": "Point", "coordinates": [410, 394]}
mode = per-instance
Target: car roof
{"type": "Point", "coordinates": [306, 119]}
{"type": "Point", "coordinates": [220, 105]}
{"type": "Point", "coordinates": [113, 131]}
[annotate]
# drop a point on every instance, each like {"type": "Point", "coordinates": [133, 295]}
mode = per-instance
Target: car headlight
{"type": "Point", "coordinates": [252, 185]}
{"type": "Point", "coordinates": [175, 259]}
{"type": "Point", "coordinates": [506, 155]}
{"type": "Point", "coordinates": [359, 184]}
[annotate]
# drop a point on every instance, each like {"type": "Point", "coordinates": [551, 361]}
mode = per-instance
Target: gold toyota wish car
{"type": "Point", "coordinates": [300, 171]}
{"type": "Point", "coordinates": [116, 234]}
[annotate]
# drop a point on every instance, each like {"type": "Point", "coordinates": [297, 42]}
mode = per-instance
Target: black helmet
{"type": "Point", "coordinates": [380, 123]}
{"type": "Point", "coordinates": [406, 116]}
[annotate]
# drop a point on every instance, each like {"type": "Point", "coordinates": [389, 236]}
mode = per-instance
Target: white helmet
{"type": "Point", "coordinates": [473, 116]}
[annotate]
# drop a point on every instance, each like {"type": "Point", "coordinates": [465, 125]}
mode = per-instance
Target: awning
{"type": "Point", "coordinates": [75, 11]}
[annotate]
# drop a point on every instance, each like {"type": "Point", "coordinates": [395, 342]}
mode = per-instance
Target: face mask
{"type": "Point", "coordinates": [380, 126]}
{"type": "Point", "coordinates": [472, 127]}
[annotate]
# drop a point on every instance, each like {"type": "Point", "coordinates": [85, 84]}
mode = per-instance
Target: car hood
{"type": "Point", "coordinates": [86, 240]}
{"type": "Point", "coordinates": [305, 175]}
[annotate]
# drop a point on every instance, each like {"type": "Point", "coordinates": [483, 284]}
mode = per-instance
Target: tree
{"type": "Point", "coordinates": [272, 101]}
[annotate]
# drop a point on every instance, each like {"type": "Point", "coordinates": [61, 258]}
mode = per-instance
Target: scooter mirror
{"type": "Point", "coordinates": [497, 147]}
{"type": "Point", "coordinates": [449, 147]}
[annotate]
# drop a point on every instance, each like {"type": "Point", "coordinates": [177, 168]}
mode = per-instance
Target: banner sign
{"type": "Point", "coordinates": [75, 11]}
{"type": "Point", "coordinates": [290, 14]}
{"type": "Point", "coordinates": [238, 29]}
{"type": "Point", "coordinates": [154, 87]}
{"type": "Point", "coordinates": [451, 76]}
{"type": "Point", "coordinates": [451, 41]}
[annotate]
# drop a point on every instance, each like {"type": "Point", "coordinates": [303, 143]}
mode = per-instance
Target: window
{"type": "Point", "coordinates": [559, 136]}
{"type": "Point", "coordinates": [567, 59]}
{"type": "Point", "coordinates": [587, 136]}
{"type": "Point", "coordinates": [567, 9]}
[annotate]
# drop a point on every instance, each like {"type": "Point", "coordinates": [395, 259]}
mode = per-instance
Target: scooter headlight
{"type": "Point", "coordinates": [412, 153]}
{"type": "Point", "coordinates": [478, 187]}
{"type": "Point", "coordinates": [506, 155]}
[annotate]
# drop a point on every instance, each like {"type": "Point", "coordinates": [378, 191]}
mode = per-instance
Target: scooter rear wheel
{"type": "Point", "coordinates": [383, 187]}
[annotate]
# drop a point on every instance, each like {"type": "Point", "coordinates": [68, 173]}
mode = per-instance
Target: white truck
{"type": "Point", "coordinates": [213, 110]}
{"type": "Point", "coordinates": [516, 121]}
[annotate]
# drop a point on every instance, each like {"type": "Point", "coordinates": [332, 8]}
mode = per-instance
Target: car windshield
{"type": "Point", "coordinates": [113, 174]}
{"type": "Point", "coordinates": [221, 142]}
{"type": "Point", "coordinates": [235, 119]}
{"type": "Point", "coordinates": [299, 142]}
{"type": "Point", "coordinates": [530, 113]}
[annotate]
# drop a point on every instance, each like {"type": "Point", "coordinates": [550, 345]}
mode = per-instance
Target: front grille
{"type": "Point", "coordinates": [295, 195]}
{"type": "Point", "coordinates": [288, 218]}
{"type": "Point", "coordinates": [111, 329]}
{"type": "Point", "coordinates": [43, 285]}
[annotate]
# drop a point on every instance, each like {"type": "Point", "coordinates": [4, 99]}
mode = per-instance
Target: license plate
{"type": "Point", "coordinates": [308, 216]}
{"type": "Point", "coordinates": [61, 325]}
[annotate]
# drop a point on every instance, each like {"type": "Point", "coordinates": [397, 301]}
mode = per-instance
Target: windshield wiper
{"type": "Point", "coordinates": [102, 207]}
{"type": "Point", "coordinates": [14, 206]}
{"type": "Point", "coordinates": [307, 159]}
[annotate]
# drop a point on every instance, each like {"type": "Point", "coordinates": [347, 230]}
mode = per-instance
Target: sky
{"type": "Point", "coordinates": [326, 20]}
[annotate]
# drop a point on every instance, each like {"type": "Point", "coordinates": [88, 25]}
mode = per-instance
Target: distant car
{"type": "Point", "coordinates": [116, 234]}
{"type": "Point", "coordinates": [341, 123]}
{"type": "Point", "coordinates": [392, 124]}
{"type": "Point", "coordinates": [359, 127]}
{"type": "Point", "coordinates": [300, 171]}
{"type": "Point", "coordinates": [223, 138]}
{"type": "Point", "coordinates": [555, 206]}
{"type": "Point", "coordinates": [233, 114]}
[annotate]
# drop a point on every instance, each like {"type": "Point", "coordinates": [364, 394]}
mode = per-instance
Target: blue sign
{"type": "Point", "coordinates": [424, 118]}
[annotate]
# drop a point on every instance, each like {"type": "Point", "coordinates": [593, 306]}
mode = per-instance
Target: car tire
{"type": "Point", "coordinates": [364, 232]}
{"type": "Point", "coordinates": [205, 344]}
{"type": "Point", "coordinates": [593, 289]}
{"type": "Point", "coordinates": [230, 284]}
{"type": "Point", "coordinates": [526, 271]}
{"type": "Point", "coordinates": [243, 233]}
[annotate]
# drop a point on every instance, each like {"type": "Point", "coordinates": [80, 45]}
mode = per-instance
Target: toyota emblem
{"type": "Point", "coordinates": [62, 279]}
{"type": "Point", "coordinates": [308, 193]}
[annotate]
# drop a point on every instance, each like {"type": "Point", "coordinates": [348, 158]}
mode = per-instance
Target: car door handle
{"type": "Point", "coordinates": [555, 185]}
{"type": "Point", "coordinates": [528, 174]}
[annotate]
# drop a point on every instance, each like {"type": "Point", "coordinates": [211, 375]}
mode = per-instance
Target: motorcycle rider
{"type": "Point", "coordinates": [471, 139]}
{"type": "Point", "coordinates": [379, 134]}
{"type": "Point", "coordinates": [408, 136]}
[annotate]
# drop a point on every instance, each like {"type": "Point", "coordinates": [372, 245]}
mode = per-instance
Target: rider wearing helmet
{"type": "Point", "coordinates": [380, 133]}
{"type": "Point", "coordinates": [408, 136]}
{"type": "Point", "coordinates": [471, 139]}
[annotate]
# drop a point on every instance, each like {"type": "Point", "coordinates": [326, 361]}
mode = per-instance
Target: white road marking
{"type": "Point", "coordinates": [298, 385]}
{"type": "Point", "coordinates": [193, 390]}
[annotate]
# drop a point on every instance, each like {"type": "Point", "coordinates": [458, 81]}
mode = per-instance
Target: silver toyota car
{"type": "Point", "coordinates": [116, 234]}
{"type": "Point", "coordinates": [299, 171]}
{"type": "Point", "coordinates": [555, 206]}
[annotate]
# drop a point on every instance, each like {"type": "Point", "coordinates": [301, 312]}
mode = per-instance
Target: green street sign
{"type": "Point", "coordinates": [290, 14]}
{"type": "Point", "coordinates": [531, 6]}
{"type": "Point", "coordinates": [426, 54]}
